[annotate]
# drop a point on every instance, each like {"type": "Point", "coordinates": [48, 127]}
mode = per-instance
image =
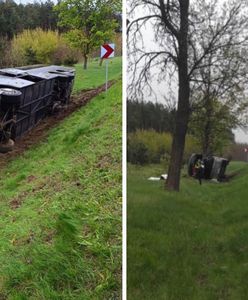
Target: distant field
{"type": "Point", "coordinates": [191, 245]}
{"type": "Point", "coordinates": [95, 74]}
{"type": "Point", "coordinates": [60, 210]}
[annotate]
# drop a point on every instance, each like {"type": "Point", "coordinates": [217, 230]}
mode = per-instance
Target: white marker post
{"type": "Point", "coordinates": [107, 51]}
{"type": "Point", "coordinates": [106, 85]}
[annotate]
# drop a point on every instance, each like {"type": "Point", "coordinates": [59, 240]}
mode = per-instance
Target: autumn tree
{"type": "Point", "coordinates": [186, 33]}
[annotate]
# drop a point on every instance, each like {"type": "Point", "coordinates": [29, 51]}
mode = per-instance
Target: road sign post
{"type": "Point", "coordinates": [107, 51]}
{"type": "Point", "coordinates": [106, 85]}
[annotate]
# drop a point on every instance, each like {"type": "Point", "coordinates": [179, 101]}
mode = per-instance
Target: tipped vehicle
{"type": "Point", "coordinates": [213, 167]}
{"type": "Point", "coordinates": [28, 95]}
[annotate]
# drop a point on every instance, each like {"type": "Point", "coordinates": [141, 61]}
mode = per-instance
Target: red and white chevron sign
{"type": "Point", "coordinates": [107, 50]}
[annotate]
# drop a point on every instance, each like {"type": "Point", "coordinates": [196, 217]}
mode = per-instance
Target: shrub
{"type": "Point", "coordinates": [64, 54]}
{"type": "Point", "coordinates": [149, 146]}
{"type": "Point", "coordinates": [42, 47]}
{"type": "Point", "coordinates": [137, 153]}
{"type": "Point", "coordinates": [5, 53]}
{"type": "Point", "coordinates": [156, 145]}
{"type": "Point", "coordinates": [35, 46]}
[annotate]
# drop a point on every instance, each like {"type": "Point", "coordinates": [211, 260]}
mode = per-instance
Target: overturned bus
{"type": "Point", "coordinates": [29, 95]}
{"type": "Point", "coordinates": [213, 167]}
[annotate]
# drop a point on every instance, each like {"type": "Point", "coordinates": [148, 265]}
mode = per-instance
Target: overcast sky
{"type": "Point", "coordinates": [30, 1]}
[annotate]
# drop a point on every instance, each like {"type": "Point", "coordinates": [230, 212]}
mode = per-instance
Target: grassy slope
{"type": "Point", "coordinates": [95, 74]}
{"type": "Point", "coordinates": [187, 245]}
{"type": "Point", "coordinates": [60, 210]}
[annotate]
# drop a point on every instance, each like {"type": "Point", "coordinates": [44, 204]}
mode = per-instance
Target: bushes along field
{"type": "Point", "coordinates": [149, 146]}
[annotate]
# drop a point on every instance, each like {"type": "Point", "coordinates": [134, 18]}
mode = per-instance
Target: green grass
{"type": "Point", "coordinates": [60, 210]}
{"type": "Point", "coordinates": [187, 245]}
{"type": "Point", "coordinates": [94, 76]}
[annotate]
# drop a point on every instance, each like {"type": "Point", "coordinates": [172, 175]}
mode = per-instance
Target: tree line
{"type": "Point", "coordinates": [148, 115]}
{"type": "Point", "coordinates": [14, 18]}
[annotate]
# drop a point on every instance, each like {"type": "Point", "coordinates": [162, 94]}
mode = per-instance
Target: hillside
{"type": "Point", "coordinates": [187, 245]}
{"type": "Point", "coordinates": [60, 208]}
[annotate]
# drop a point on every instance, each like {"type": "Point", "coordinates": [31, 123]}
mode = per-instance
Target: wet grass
{"type": "Point", "coordinates": [60, 210]}
{"type": "Point", "coordinates": [187, 245]}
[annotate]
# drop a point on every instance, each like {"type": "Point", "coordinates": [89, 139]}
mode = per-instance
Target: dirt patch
{"type": "Point", "coordinates": [104, 162]}
{"type": "Point", "coordinates": [41, 130]}
{"type": "Point", "coordinates": [31, 178]}
{"type": "Point", "coordinates": [48, 239]}
{"type": "Point", "coordinates": [17, 201]}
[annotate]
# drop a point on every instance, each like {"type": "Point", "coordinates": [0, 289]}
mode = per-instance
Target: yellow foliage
{"type": "Point", "coordinates": [154, 141]}
{"type": "Point", "coordinates": [158, 145]}
{"type": "Point", "coordinates": [36, 44]}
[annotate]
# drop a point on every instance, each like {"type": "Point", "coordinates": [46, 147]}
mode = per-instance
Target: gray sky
{"type": "Point", "coordinates": [31, 1]}
{"type": "Point", "coordinates": [241, 136]}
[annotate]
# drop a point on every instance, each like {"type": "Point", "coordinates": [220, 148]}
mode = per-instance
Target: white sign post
{"type": "Point", "coordinates": [107, 51]}
{"type": "Point", "coordinates": [106, 84]}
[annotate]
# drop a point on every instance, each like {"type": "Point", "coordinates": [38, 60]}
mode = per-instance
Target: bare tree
{"type": "Point", "coordinates": [186, 34]}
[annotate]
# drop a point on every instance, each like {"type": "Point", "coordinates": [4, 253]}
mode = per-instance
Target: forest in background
{"type": "Point", "coordinates": [150, 127]}
{"type": "Point", "coordinates": [14, 18]}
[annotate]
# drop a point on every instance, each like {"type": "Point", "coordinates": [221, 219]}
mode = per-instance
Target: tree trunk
{"type": "Point", "coordinates": [86, 52]}
{"type": "Point", "coordinates": [85, 61]}
{"type": "Point", "coordinates": [207, 128]}
{"type": "Point", "coordinates": [101, 61]}
{"type": "Point", "coordinates": [209, 112]}
{"type": "Point", "coordinates": [181, 126]}
{"type": "Point", "coordinates": [183, 110]}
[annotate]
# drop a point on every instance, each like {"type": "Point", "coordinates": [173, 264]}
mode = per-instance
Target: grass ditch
{"type": "Point", "coordinates": [60, 217]}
